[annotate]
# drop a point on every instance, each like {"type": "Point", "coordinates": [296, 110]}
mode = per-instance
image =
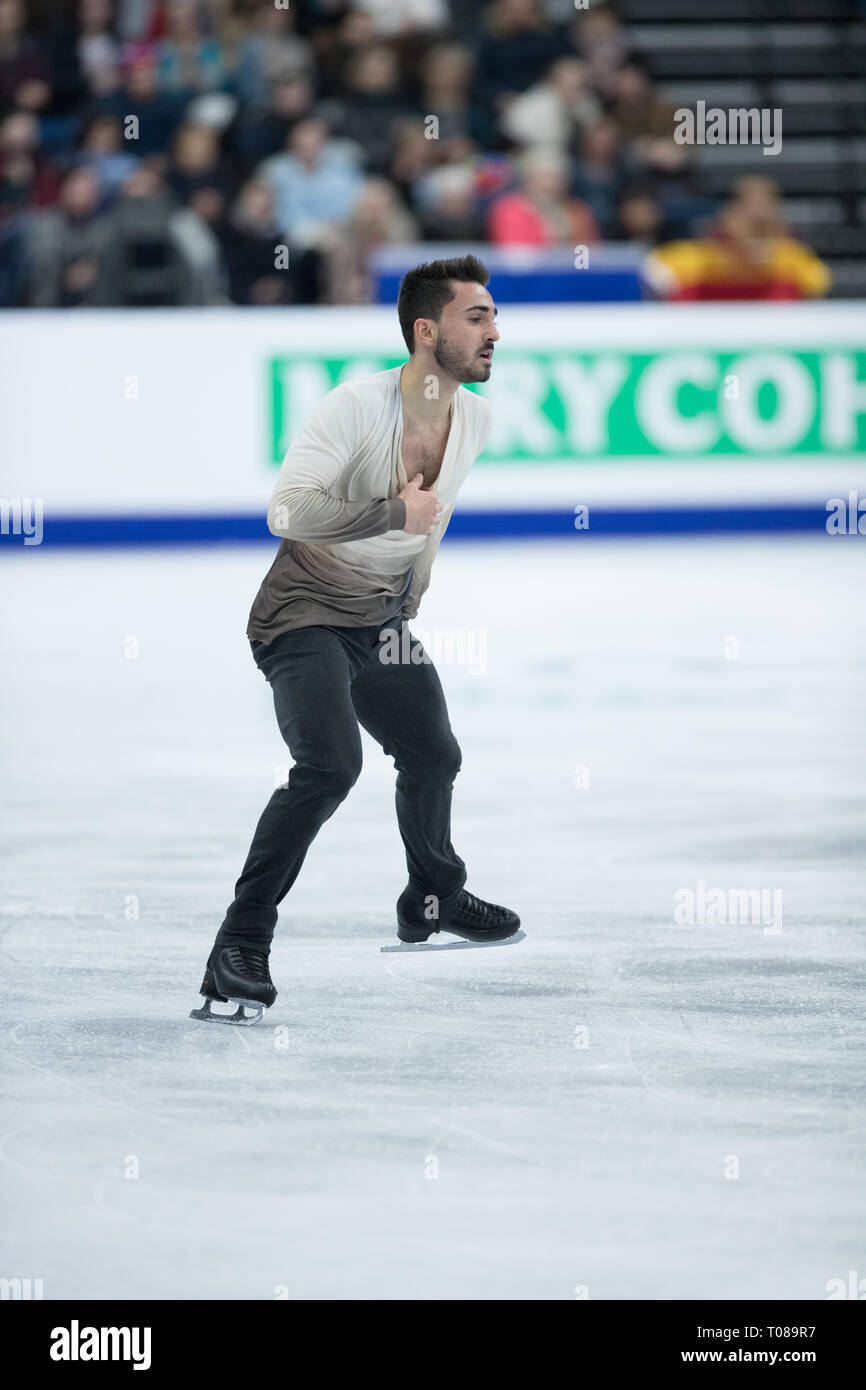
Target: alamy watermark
{"type": "Point", "coordinates": [14, 1290]}
{"type": "Point", "coordinates": [22, 516]}
{"type": "Point", "coordinates": [729, 907]}
{"type": "Point", "coordinates": [453, 646]}
{"type": "Point", "coordinates": [739, 125]}
{"type": "Point", "coordinates": [76, 1343]}
{"type": "Point", "coordinates": [847, 517]}
{"type": "Point", "coordinates": [854, 1287]}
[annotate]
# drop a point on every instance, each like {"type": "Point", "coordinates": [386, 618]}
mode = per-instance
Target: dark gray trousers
{"type": "Point", "coordinates": [326, 681]}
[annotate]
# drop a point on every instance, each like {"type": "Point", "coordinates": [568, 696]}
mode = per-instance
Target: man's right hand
{"type": "Point", "coordinates": [422, 506]}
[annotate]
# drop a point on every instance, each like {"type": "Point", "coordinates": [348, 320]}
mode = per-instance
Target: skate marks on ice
{"type": "Point", "coordinates": [77, 1129]}
{"type": "Point", "coordinates": [602, 1164]}
{"type": "Point", "coordinates": [407, 947]}
{"type": "Point", "coordinates": [798, 1011]}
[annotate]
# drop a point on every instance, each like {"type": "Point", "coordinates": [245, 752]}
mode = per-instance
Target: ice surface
{"type": "Point", "coordinates": [310, 1167]}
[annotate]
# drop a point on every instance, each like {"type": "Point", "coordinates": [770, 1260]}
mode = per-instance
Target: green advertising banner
{"type": "Point", "coordinates": [685, 403]}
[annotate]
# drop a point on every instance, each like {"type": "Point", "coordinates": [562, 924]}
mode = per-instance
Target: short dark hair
{"type": "Point", "coordinates": [425, 291]}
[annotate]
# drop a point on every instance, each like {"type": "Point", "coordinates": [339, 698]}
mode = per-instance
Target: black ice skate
{"type": "Point", "coordinates": [237, 975]}
{"type": "Point", "coordinates": [477, 922]}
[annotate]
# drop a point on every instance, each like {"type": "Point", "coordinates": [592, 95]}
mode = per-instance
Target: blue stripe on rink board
{"type": "Point", "coordinates": [465, 525]}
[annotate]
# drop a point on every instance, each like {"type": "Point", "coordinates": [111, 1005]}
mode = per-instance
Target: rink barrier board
{"type": "Point", "coordinates": [190, 529]}
{"type": "Point", "coordinates": [146, 413]}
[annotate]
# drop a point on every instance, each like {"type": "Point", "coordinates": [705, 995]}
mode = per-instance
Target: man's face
{"type": "Point", "coordinates": [466, 333]}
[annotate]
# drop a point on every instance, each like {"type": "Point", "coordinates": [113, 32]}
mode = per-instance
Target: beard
{"type": "Point", "coordinates": [458, 364]}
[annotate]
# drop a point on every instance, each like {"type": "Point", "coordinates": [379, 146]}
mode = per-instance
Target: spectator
{"type": "Point", "coordinates": [452, 209]}
{"type": "Point", "coordinates": [134, 19]}
{"type": "Point", "coordinates": [378, 217]}
{"type": "Point", "coordinates": [98, 49]}
{"type": "Point", "coordinates": [258, 132]}
{"type": "Point", "coordinates": [391, 18]}
{"type": "Point", "coordinates": [251, 239]}
{"type": "Point", "coordinates": [494, 175]}
{"type": "Point", "coordinates": [597, 178]}
{"type": "Point", "coordinates": [542, 213]}
{"type": "Point", "coordinates": [188, 62]}
{"type": "Point", "coordinates": [195, 176]}
{"type": "Point", "coordinates": [104, 151]}
{"type": "Point", "coordinates": [658, 161]}
{"type": "Point", "coordinates": [56, 32]}
{"type": "Point", "coordinates": [517, 45]}
{"type": "Point", "coordinates": [13, 265]}
{"type": "Point", "coordinates": [639, 217]}
{"type": "Point", "coordinates": [597, 37]}
{"type": "Point", "coordinates": [750, 255]}
{"type": "Point", "coordinates": [446, 75]}
{"type": "Point", "coordinates": [636, 110]}
{"type": "Point", "coordinates": [555, 110]}
{"type": "Point", "coordinates": [375, 101]}
{"type": "Point", "coordinates": [413, 156]}
{"type": "Point", "coordinates": [157, 114]}
{"type": "Point", "coordinates": [156, 255]}
{"type": "Point", "coordinates": [67, 245]}
{"type": "Point", "coordinates": [27, 178]}
{"type": "Point", "coordinates": [334, 45]}
{"type": "Point", "coordinates": [24, 64]}
{"type": "Point", "coordinates": [271, 53]}
{"type": "Point", "coordinates": [102, 82]}
{"type": "Point", "coordinates": [316, 182]}
{"type": "Point", "coordinates": [659, 157]}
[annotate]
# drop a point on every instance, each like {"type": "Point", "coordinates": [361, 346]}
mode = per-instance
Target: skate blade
{"type": "Point", "coordinates": [239, 1018]}
{"type": "Point", "coordinates": [404, 947]}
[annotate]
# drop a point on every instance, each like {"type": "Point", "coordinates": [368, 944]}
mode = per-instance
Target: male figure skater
{"type": "Point", "coordinates": [361, 502]}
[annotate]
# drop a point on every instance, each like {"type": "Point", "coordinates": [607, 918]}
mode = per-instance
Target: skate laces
{"type": "Point", "coordinates": [474, 908]}
{"type": "Point", "coordinates": [253, 963]}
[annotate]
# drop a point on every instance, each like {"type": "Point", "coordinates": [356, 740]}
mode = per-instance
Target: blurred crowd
{"type": "Point", "coordinates": [166, 152]}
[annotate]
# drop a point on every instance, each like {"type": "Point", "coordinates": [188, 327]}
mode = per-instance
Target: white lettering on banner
{"type": "Point", "coordinates": [844, 401]}
{"type": "Point", "coordinates": [303, 384]}
{"type": "Point", "coordinates": [795, 402]}
{"type": "Point", "coordinates": [516, 392]}
{"type": "Point", "coordinates": [657, 409]}
{"type": "Point", "coordinates": [588, 390]}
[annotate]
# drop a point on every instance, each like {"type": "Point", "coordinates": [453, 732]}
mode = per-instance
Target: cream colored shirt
{"type": "Point", "coordinates": [344, 559]}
